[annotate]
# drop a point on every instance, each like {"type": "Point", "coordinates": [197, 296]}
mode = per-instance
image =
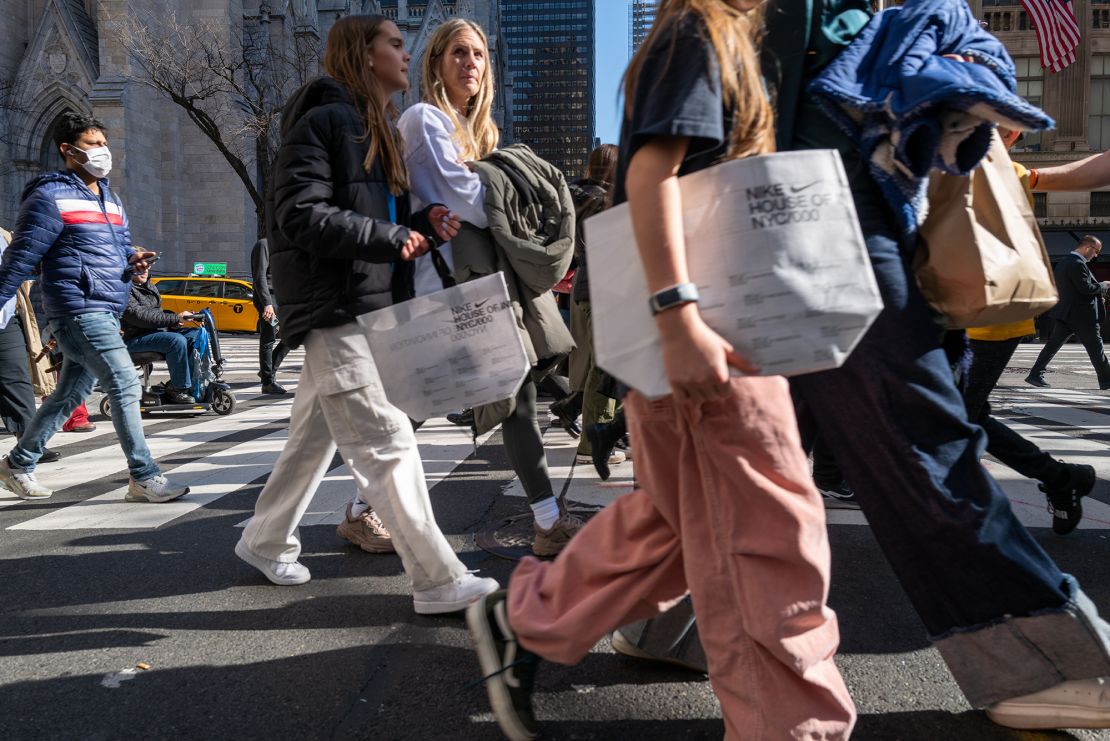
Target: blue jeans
{"type": "Point", "coordinates": [94, 351]}
{"type": "Point", "coordinates": [1006, 620]}
{"type": "Point", "coordinates": [175, 346]}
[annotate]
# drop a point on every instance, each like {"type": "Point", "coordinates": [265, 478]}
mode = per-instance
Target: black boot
{"type": "Point", "coordinates": [1064, 498]}
{"type": "Point", "coordinates": [568, 409]}
{"type": "Point", "coordinates": [603, 438]}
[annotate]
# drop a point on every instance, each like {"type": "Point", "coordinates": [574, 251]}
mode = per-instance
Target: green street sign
{"type": "Point", "coordinates": [210, 268]}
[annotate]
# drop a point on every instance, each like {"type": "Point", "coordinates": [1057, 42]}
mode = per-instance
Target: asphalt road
{"type": "Point", "coordinates": [91, 588]}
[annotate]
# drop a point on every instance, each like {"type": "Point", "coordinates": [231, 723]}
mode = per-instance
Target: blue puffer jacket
{"type": "Point", "coordinates": [82, 242]}
{"type": "Point", "coordinates": [911, 109]}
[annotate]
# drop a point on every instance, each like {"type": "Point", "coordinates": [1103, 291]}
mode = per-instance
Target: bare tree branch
{"type": "Point", "coordinates": [231, 82]}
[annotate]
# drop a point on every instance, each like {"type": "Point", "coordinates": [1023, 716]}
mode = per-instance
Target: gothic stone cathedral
{"type": "Point", "coordinates": [182, 197]}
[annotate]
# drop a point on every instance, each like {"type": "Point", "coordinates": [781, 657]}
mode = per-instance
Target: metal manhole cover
{"type": "Point", "coordinates": [511, 538]}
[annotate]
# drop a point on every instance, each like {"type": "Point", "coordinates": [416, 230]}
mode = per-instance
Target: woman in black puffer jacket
{"type": "Point", "coordinates": [337, 200]}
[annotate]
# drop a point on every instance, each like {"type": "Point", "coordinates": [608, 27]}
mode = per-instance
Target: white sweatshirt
{"type": "Point", "coordinates": [438, 175]}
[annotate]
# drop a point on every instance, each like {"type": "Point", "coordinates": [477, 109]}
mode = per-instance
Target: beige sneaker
{"type": "Point", "coordinates": [366, 531]}
{"type": "Point", "coordinates": [23, 484]}
{"type": "Point", "coordinates": [1081, 703]}
{"type": "Point", "coordinates": [551, 542]}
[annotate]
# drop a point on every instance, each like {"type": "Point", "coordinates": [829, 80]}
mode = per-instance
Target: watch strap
{"type": "Point", "coordinates": [669, 298]}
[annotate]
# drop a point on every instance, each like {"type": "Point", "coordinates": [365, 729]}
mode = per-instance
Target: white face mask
{"type": "Point", "coordinates": [98, 161]}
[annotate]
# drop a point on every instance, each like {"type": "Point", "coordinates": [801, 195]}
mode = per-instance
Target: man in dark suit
{"type": "Point", "coordinates": [270, 351]}
{"type": "Point", "coordinates": [1079, 312]}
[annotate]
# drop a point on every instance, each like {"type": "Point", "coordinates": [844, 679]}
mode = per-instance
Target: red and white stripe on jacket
{"type": "Point", "coordinates": [80, 211]}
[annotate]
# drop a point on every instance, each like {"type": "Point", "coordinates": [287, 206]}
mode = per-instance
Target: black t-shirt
{"type": "Point", "coordinates": [678, 93]}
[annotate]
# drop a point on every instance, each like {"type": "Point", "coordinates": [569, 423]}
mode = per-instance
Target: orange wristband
{"type": "Point", "coordinates": [1034, 176]}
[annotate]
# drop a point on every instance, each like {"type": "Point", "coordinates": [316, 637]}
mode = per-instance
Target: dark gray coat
{"type": "Point", "coordinates": [531, 240]}
{"type": "Point", "coordinates": [1080, 294]}
{"type": "Point", "coordinates": [144, 313]}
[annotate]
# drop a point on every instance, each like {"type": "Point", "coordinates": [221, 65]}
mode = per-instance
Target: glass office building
{"type": "Point", "coordinates": [549, 55]}
{"type": "Point", "coordinates": [640, 17]}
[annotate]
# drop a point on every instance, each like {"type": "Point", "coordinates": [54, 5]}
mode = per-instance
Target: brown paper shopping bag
{"type": "Point", "coordinates": [981, 260]}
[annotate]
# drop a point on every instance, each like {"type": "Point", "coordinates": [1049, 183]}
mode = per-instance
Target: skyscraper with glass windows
{"type": "Point", "coordinates": [641, 15]}
{"type": "Point", "coordinates": [549, 53]}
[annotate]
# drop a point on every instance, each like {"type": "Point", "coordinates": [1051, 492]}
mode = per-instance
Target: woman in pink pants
{"type": "Point", "coordinates": [727, 510]}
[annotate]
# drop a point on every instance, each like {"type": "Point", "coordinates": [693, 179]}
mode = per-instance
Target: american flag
{"type": "Point", "coordinates": [1057, 31]}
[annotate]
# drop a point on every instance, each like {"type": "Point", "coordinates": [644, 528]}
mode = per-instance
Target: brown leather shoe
{"type": "Point", "coordinates": [87, 427]}
{"type": "Point", "coordinates": [366, 531]}
{"type": "Point", "coordinates": [551, 542]}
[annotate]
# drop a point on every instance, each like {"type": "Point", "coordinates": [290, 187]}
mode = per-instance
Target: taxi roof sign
{"type": "Point", "coordinates": [213, 269]}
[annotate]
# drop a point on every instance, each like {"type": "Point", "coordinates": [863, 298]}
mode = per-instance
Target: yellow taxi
{"type": "Point", "coordinates": [228, 298]}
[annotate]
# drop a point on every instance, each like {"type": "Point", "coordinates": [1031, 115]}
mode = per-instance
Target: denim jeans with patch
{"type": "Point", "coordinates": [93, 350]}
{"type": "Point", "coordinates": [1005, 618]}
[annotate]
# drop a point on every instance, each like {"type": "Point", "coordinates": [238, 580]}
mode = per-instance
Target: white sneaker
{"type": "Point", "coordinates": [1081, 703]}
{"type": "Point", "coordinates": [617, 456]}
{"type": "Point", "coordinates": [23, 485]}
{"type": "Point", "coordinates": [155, 489]}
{"type": "Point", "coordinates": [454, 596]}
{"type": "Point", "coordinates": [280, 573]}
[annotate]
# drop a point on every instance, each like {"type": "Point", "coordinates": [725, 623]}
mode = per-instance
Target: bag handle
{"type": "Point", "coordinates": [440, 264]}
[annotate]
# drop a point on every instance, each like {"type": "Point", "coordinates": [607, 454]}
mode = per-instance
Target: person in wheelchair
{"type": "Point", "coordinates": [147, 327]}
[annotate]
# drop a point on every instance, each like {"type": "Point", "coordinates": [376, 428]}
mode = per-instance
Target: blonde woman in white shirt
{"type": "Point", "coordinates": [451, 127]}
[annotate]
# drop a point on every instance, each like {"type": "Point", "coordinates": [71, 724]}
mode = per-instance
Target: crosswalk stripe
{"type": "Point", "coordinates": [1075, 397]}
{"type": "Point", "coordinates": [1078, 417]}
{"type": "Point", "coordinates": [109, 460]}
{"type": "Point", "coordinates": [1028, 501]}
{"type": "Point", "coordinates": [580, 481]}
{"type": "Point", "coordinates": [209, 478]}
{"type": "Point", "coordinates": [443, 448]}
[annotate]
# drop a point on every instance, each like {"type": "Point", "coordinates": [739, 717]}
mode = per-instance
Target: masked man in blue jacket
{"type": "Point", "coordinates": [75, 227]}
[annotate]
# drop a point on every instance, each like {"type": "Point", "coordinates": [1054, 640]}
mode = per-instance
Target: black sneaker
{"type": "Point", "coordinates": [465, 418]}
{"type": "Point", "coordinates": [568, 410]}
{"type": "Point", "coordinates": [1037, 379]}
{"type": "Point", "coordinates": [49, 456]}
{"type": "Point", "coordinates": [624, 445]}
{"type": "Point", "coordinates": [839, 496]}
{"type": "Point", "coordinates": [508, 667]}
{"type": "Point", "coordinates": [1064, 501]}
{"type": "Point", "coordinates": [177, 396]}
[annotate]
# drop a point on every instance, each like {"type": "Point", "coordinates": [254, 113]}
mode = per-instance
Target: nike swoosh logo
{"type": "Point", "coordinates": [800, 188]}
{"type": "Point", "coordinates": [479, 304]}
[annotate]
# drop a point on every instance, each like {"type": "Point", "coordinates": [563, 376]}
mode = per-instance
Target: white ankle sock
{"type": "Point", "coordinates": [546, 512]}
{"type": "Point", "coordinates": [358, 506]}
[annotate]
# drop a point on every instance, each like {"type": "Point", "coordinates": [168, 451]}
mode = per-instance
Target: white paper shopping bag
{"type": "Point", "coordinates": [775, 248]}
{"type": "Point", "coordinates": [453, 349]}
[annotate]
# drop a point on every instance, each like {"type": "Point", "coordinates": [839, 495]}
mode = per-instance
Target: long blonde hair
{"type": "Point", "coordinates": [347, 59]}
{"type": "Point", "coordinates": [733, 34]}
{"type": "Point", "coordinates": [476, 134]}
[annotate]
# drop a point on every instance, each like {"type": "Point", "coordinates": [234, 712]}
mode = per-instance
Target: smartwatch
{"type": "Point", "coordinates": [669, 298]}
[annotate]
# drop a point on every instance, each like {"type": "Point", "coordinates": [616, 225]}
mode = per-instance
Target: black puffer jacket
{"type": "Point", "coordinates": [331, 240]}
{"type": "Point", "coordinates": [144, 313]}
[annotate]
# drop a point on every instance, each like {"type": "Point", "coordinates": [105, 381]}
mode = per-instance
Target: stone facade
{"type": "Point", "coordinates": [182, 197]}
{"type": "Point", "coordinates": [1073, 97]}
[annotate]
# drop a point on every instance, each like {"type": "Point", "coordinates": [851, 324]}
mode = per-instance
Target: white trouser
{"type": "Point", "coordinates": [340, 404]}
